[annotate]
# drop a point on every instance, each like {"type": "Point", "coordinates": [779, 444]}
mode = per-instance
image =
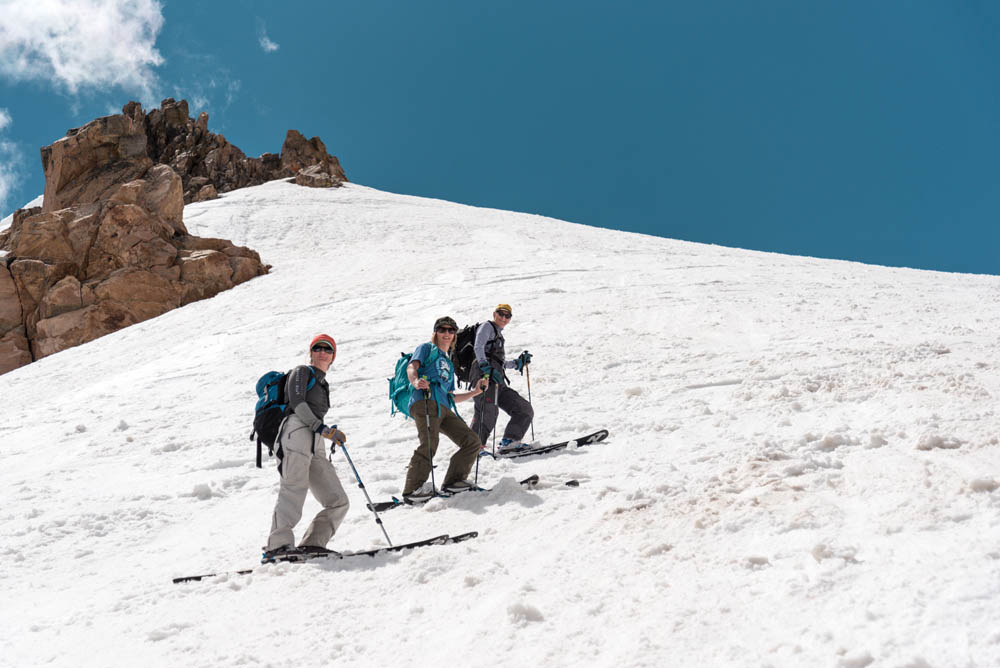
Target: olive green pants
{"type": "Point", "coordinates": [453, 427]}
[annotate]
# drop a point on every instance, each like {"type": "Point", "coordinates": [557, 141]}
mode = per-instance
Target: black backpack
{"type": "Point", "coordinates": [463, 355]}
{"type": "Point", "coordinates": [271, 409]}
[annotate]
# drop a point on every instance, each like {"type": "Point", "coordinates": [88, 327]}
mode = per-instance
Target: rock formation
{"type": "Point", "coordinates": [108, 248]}
{"type": "Point", "coordinates": [203, 158]}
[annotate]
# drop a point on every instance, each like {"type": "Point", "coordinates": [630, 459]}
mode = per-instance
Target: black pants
{"type": "Point", "coordinates": [488, 406]}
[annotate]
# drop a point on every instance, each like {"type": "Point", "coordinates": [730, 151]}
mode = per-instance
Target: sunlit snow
{"type": "Point", "coordinates": [802, 469]}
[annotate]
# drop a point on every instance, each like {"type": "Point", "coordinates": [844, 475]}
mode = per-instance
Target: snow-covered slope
{"type": "Point", "coordinates": [802, 470]}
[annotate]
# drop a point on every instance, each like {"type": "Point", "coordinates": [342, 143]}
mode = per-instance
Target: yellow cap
{"type": "Point", "coordinates": [504, 307]}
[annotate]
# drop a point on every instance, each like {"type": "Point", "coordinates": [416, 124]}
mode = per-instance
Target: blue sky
{"type": "Point", "coordinates": [854, 130]}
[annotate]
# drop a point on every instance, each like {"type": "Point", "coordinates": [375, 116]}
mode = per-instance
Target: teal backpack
{"type": "Point", "coordinates": [399, 386]}
{"type": "Point", "coordinates": [400, 389]}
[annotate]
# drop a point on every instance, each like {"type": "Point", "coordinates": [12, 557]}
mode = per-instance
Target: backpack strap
{"type": "Point", "coordinates": [491, 347]}
{"type": "Point", "coordinates": [270, 450]}
{"type": "Point", "coordinates": [309, 386]}
{"type": "Point", "coordinates": [491, 344]}
{"type": "Point", "coordinates": [433, 356]}
{"type": "Point", "coordinates": [253, 432]}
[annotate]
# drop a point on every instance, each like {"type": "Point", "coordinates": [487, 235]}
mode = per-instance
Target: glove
{"type": "Point", "coordinates": [336, 436]}
{"type": "Point", "coordinates": [485, 368]}
{"type": "Point", "coordinates": [523, 360]}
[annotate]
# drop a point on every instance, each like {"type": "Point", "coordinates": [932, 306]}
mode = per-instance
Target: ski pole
{"type": "Point", "coordinates": [527, 369]}
{"type": "Point", "coordinates": [481, 444]}
{"type": "Point", "coordinates": [476, 480]}
{"type": "Point", "coordinates": [482, 412]}
{"type": "Point", "coordinates": [427, 416]}
{"type": "Point", "coordinates": [496, 394]}
{"type": "Point", "coordinates": [378, 520]}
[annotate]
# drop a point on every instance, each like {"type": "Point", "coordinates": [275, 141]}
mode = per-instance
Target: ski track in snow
{"type": "Point", "coordinates": [802, 470]}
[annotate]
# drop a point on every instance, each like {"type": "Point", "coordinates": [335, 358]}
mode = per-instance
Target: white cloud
{"type": "Point", "coordinates": [198, 104]}
{"type": "Point", "coordinates": [205, 93]}
{"type": "Point", "coordinates": [265, 41]}
{"type": "Point", "coordinates": [80, 44]}
{"type": "Point", "coordinates": [10, 162]}
{"type": "Point", "coordinates": [268, 45]}
{"type": "Point", "coordinates": [232, 90]}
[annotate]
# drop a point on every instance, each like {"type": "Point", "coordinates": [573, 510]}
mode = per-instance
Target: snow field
{"type": "Point", "coordinates": [802, 469]}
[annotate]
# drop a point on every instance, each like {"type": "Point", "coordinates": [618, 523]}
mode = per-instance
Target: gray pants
{"type": "Point", "coordinates": [453, 427]}
{"type": "Point", "coordinates": [488, 406]}
{"type": "Point", "coordinates": [304, 466]}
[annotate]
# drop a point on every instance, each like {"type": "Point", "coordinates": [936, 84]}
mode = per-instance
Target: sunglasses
{"type": "Point", "coordinates": [445, 330]}
{"type": "Point", "coordinates": [322, 349]}
{"type": "Point", "coordinates": [504, 314]}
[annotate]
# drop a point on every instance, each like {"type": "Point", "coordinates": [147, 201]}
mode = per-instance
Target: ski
{"type": "Point", "coordinates": [596, 437]}
{"type": "Point", "coordinates": [396, 502]}
{"type": "Point", "coordinates": [437, 540]}
{"type": "Point", "coordinates": [301, 558]}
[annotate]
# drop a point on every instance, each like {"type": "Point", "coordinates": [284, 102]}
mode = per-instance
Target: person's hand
{"type": "Point", "coordinates": [523, 360]}
{"type": "Point", "coordinates": [336, 436]}
{"type": "Point", "coordinates": [482, 384]}
{"type": "Point", "coordinates": [485, 368]}
{"type": "Point", "coordinates": [422, 384]}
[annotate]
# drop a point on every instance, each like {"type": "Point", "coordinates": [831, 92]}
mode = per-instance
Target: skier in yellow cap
{"type": "Point", "coordinates": [491, 362]}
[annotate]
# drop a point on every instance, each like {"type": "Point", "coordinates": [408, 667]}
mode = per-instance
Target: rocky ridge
{"type": "Point", "coordinates": [108, 247]}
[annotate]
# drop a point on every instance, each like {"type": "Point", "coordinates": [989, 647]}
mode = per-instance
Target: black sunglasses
{"type": "Point", "coordinates": [322, 349]}
{"type": "Point", "coordinates": [445, 330]}
{"type": "Point", "coordinates": [504, 314]}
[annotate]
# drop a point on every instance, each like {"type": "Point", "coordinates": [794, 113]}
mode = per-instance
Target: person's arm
{"type": "Point", "coordinates": [484, 335]}
{"type": "Point", "coordinates": [411, 375]}
{"type": "Point", "coordinates": [465, 396]}
{"type": "Point", "coordinates": [295, 390]}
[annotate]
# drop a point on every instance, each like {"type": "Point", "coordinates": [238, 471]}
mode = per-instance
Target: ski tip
{"type": "Point", "coordinates": [572, 483]}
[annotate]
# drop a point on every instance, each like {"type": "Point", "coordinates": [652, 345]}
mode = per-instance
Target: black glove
{"type": "Point", "coordinates": [523, 360]}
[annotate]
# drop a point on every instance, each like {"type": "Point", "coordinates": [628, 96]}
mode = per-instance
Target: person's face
{"type": "Point", "coordinates": [321, 356]}
{"type": "Point", "coordinates": [501, 318]}
{"type": "Point", "coordinates": [446, 334]}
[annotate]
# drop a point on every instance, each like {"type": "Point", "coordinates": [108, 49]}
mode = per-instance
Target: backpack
{"type": "Point", "coordinates": [400, 389]}
{"type": "Point", "coordinates": [271, 409]}
{"type": "Point", "coordinates": [463, 356]}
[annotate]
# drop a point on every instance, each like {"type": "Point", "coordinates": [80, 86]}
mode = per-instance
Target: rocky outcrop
{"type": "Point", "coordinates": [83, 165]}
{"type": "Point", "coordinates": [315, 177]}
{"type": "Point", "coordinates": [109, 248]}
{"type": "Point", "coordinates": [14, 350]}
{"type": "Point", "coordinates": [299, 154]}
{"type": "Point", "coordinates": [203, 158]}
